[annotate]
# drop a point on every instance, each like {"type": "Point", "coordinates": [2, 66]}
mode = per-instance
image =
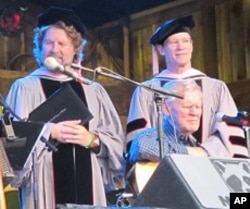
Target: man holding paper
{"type": "Point", "coordinates": [89, 159]}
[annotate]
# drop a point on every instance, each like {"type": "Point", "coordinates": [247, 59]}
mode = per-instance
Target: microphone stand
{"type": "Point", "coordinates": [160, 95]}
{"type": "Point", "coordinates": [159, 100]}
{"type": "Point", "coordinates": [246, 128]}
{"type": "Point", "coordinates": [35, 178]}
{"type": "Point", "coordinates": [117, 76]}
{"type": "Point", "coordinates": [247, 134]}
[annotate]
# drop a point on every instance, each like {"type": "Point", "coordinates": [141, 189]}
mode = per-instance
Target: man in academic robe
{"type": "Point", "coordinates": [174, 42]}
{"type": "Point", "coordinates": [89, 160]}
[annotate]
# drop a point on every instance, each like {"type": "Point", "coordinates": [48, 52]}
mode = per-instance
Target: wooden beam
{"type": "Point", "coordinates": [164, 11]}
{"type": "Point", "coordinates": [148, 12]}
{"type": "Point", "coordinates": [126, 51]}
{"type": "Point", "coordinates": [222, 39]}
{"type": "Point", "coordinates": [246, 20]}
{"type": "Point", "coordinates": [4, 50]}
{"type": "Point", "coordinates": [236, 35]}
{"type": "Point", "coordinates": [208, 25]}
{"type": "Point", "coordinates": [164, 7]}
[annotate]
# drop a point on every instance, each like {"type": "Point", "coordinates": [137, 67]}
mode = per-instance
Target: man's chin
{"type": "Point", "coordinates": [193, 129]}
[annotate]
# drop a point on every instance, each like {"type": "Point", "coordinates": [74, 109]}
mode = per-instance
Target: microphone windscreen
{"type": "Point", "coordinates": [51, 63]}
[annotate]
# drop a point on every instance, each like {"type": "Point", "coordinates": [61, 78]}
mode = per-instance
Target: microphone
{"type": "Point", "coordinates": [52, 64]}
{"type": "Point", "coordinates": [238, 120]}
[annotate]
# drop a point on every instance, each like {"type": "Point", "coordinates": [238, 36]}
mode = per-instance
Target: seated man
{"type": "Point", "coordinates": [181, 118]}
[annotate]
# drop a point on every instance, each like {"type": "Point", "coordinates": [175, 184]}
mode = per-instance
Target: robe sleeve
{"type": "Point", "coordinates": [142, 113]}
{"type": "Point", "coordinates": [221, 140]}
{"type": "Point", "coordinates": [106, 124]}
{"type": "Point", "coordinates": [226, 141]}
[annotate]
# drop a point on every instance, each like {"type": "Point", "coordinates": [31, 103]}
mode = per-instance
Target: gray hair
{"type": "Point", "coordinates": [180, 87]}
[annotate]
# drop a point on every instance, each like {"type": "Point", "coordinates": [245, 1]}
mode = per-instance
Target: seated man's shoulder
{"type": "Point", "coordinates": [146, 133]}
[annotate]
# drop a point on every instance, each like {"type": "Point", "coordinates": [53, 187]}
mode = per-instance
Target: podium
{"type": "Point", "coordinates": [183, 181]}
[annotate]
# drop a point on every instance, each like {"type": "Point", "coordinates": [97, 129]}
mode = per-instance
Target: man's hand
{"type": "Point", "coordinates": [71, 132]}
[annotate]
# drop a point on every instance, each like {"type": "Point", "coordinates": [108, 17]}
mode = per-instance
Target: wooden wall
{"type": "Point", "coordinates": [221, 42]}
{"type": "Point", "coordinates": [221, 47]}
{"type": "Point", "coordinates": [221, 37]}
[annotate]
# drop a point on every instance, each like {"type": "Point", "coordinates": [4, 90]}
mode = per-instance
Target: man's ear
{"type": "Point", "coordinates": [159, 48]}
{"type": "Point", "coordinates": [165, 109]}
{"type": "Point", "coordinates": [192, 46]}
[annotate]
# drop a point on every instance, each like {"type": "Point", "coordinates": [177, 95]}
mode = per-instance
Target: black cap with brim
{"type": "Point", "coordinates": [183, 24]}
{"type": "Point", "coordinates": [54, 14]}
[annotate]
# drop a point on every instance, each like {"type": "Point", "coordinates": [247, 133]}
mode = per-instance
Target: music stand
{"type": "Point", "coordinates": [22, 147]}
{"type": "Point", "coordinates": [19, 149]}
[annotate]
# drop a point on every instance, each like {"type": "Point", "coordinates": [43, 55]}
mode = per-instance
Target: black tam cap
{"type": "Point", "coordinates": [168, 28]}
{"type": "Point", "coordinates": [54, 14]}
